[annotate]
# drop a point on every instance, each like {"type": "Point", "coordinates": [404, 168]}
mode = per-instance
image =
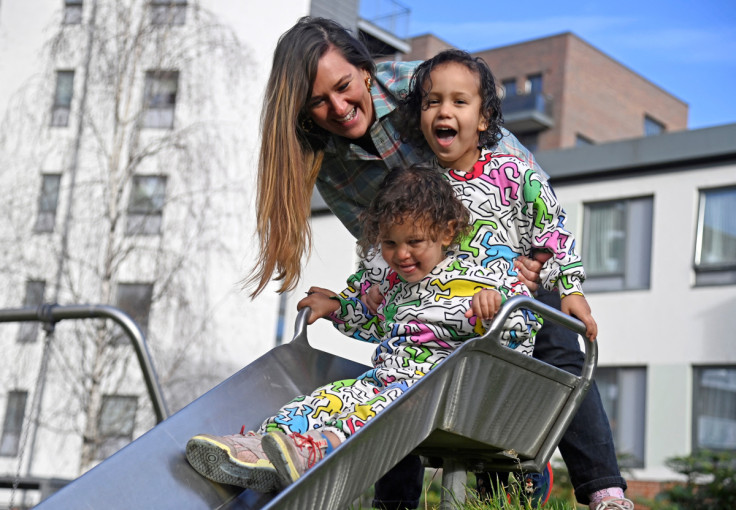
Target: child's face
{"type": "Point", "coordinates": [410, 251]}
{"type": "Point", "coordinates": [451, 117]}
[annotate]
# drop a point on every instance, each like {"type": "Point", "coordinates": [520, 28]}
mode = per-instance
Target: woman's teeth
{"type": "Point", "coordinates": [350, 116]}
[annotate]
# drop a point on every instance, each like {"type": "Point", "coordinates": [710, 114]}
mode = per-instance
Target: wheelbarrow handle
{"type": "Point", "coordinates": [547, 312]}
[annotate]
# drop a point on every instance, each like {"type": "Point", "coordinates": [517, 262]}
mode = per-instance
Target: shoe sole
{"type": "Point", "coordinates": [277, 451]}
{"type": "Point", "coordinates": [212, 460]}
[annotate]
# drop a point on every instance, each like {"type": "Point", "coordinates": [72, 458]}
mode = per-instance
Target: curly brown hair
{"type": "Point", "coordinates": [411, 106]}
{"type": "Point", "coordinates": [419, 193]}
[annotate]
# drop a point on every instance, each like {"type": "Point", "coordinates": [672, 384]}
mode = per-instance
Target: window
{"type": "Point", "coordinates": [135, 300]}
{"type": "Point", "coordinates": [715, 248]}
{"type": "Point", "coordinates": [623, 393]}
{"type": "Point", "coordinates": [618, 244]}
{"type": "Point", "coordinates": [146, 205]}
{"type": "Point", "coordinates": [47, 202]}
{"type": "Point", "coordinates": [714, 408]}
{"type": "Point", "coordinates": [62, 98]}
{"type": "Point", "coordinates": [15, 410]}
{"type": "Point", "coordinates": [582, 141]}
{"type": "Point", "coordinates": [72, 12]}
{"type": "Point", "coordinates": [652, 127]}
{"type": "Point", "coordinates": [168, 12]}
{"type": "Point", "coordinates": [534, 84]}
{"type": "Point", "coordinates": [116, 423]}
{"type": "Point", "coordinates": [160, 99]}
{"type": "Point", "coordinates": [28, 331]}
{"type": "Point", "coordinates": [509, 87]}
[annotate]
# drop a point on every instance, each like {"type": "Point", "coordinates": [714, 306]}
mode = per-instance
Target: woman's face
{"type": "Point", "coordinates": [341, 102]}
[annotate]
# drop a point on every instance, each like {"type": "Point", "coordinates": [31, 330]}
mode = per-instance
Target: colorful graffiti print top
{"type": "Point", "coordinates": [419, 324]}
{"type": "Point", "coordinates": [514, 211]}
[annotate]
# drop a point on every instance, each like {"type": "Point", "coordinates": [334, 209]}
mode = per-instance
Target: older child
{"type": "Point", "coordinates": [453, 105]}
{"type": "Point", "coordinates": [415, 218]}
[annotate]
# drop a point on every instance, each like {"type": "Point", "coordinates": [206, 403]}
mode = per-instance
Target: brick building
{"type": "Point", "coordinates": [561, 92]}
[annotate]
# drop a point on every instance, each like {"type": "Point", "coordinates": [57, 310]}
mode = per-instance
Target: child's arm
{"type": "Point", "coordinates": [319, 300]}
{"type": "Point", "coordinates": [577, 306]}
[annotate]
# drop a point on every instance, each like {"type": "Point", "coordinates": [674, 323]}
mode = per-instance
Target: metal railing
{"type": "Point", "coordinates": [50, 314]}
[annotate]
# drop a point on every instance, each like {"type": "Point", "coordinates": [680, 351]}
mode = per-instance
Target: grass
{"type": "Point", "coordinates": [561, 498]}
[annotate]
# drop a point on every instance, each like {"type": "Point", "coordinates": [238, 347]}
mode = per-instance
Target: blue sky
{"type": "Point", "coordinates": [687, 48]}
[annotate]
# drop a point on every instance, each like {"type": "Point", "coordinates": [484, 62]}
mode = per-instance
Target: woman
{"type": "Point", "coordinates": [329, 119]}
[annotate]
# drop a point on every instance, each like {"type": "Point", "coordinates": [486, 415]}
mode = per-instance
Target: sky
{"type": "Point", "coordinates": [687, 48]}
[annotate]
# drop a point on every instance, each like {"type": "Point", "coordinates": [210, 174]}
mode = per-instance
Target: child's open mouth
{"type": "Point", "coordinates": [445, 136]}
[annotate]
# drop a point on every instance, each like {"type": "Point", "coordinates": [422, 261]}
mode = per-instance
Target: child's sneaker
{"type": "Point", "coordinates": [235, 460]}
{"type": "Point", "coordinates": [616, 504]}
{"type": "Point", "coordinates": [293, 454]}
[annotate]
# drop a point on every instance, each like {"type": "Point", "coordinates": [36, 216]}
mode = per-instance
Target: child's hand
{"type": "Point", "coordinates": [485, 304]}
{"type": "Point", "coordinates": [577, 306]}
{"type": "Point", "coordinates": [318, 299]}
{"type": "Point", "coordinates": [372, 299]}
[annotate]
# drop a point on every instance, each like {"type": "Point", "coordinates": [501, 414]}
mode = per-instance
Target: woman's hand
{"type": "Point", "coordinates": [528, 268]}
{"type": "Point", "coordinates": [485, 304]}
{"type": "Point", "coordinates": [318, 299]}
{"type": "Point", "coordinates": [578, 307]}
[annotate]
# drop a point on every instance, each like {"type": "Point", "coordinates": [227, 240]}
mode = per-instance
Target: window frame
{"type": "Point", "coordinates": [159, 104]}
{"type": "Point", "coordinates": [700, 399]}
{"type": "Point", "coordinates": [142, 220]}
{"type": "Point", "coordinates": [714, 274]}
{"type": "Point", "coordinates": [621, 422]}
{"type": "Point", "coordinates": [168, 12]}
{"type": "Point", "coordinates": [505, 86]}
{"type": "Point", "coordinates": [62, 106]}
{"type": "Point", "coordinates": [48, 202]}
{"type": "Point", "coordinates": [121, 427]}
{"type": "Point", "coordinates": [72, 12]}
{"type": "Point", "coordinates": [638, 245]}
{"type": "Point", "coordinates": [13, 423]}
{"type": "Point", "coordinates": [653, 127]}
{"type": "Point", "coordinates": [33, 298]}
{"type": "Point", "coordinates": [137, 305]}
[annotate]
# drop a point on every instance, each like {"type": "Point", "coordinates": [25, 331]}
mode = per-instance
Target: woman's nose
{"type": "Point", "coordinates": [339, 105]}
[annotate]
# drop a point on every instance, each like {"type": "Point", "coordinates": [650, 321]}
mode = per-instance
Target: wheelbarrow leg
{"type": "Point", "coordinates": [454, 480]}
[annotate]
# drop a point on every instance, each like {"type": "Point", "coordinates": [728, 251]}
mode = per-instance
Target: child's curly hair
{"type": "Point", "coordinates": [420, 194]}
{"type": "Point", "coordinates": [411, 106]}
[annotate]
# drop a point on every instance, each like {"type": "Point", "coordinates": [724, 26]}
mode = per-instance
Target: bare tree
{"type": "Point", "coordinates": [146, 154]}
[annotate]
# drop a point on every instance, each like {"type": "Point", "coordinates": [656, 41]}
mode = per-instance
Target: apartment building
{"type": "Point", "coordinates": [560, 91]}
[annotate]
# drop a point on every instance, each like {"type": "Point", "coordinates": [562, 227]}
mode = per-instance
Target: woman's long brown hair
{"type": "Point", "coordinates": [292, 148]}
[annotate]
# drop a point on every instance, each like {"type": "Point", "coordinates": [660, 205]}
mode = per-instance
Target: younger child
{"type": "Point", "coordinates": [432, 302]}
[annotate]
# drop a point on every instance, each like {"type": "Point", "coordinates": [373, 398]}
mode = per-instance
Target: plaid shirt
{"type": "Point", "coordinates": [350, 175]}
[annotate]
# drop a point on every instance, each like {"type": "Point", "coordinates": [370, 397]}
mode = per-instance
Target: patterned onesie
{"type": "Point", "coordinates": [417, 326]}
{"type": "Point", "coordinates": [513, 211]}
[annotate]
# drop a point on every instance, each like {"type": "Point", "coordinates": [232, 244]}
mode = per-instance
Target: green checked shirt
{"type": "Point", "coordinates": [350, 175]}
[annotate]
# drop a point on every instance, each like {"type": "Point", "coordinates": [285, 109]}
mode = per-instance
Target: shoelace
{"type": "Point", "coordinates": [313, 446]}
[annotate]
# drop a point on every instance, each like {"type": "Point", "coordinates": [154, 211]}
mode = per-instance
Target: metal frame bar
{"type": "Point", "coordinates": [51, 314]}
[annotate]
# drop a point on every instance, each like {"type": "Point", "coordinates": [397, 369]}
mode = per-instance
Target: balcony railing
{"type": "Point", "coordinates": [527, 113]}
{"type": "Point", "coordinates": [389, 15]}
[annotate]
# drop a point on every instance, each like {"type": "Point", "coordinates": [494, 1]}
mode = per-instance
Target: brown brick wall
{"type": "Point", "coordinates": [593, 94]}
{"type": "Point", "coordinates": [641, 491]}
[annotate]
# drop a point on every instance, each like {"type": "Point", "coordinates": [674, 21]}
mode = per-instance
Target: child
{"type": "Point", "coordinates": [452, 103]}
{"type": "Point", "coordinates": [432, 302]}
